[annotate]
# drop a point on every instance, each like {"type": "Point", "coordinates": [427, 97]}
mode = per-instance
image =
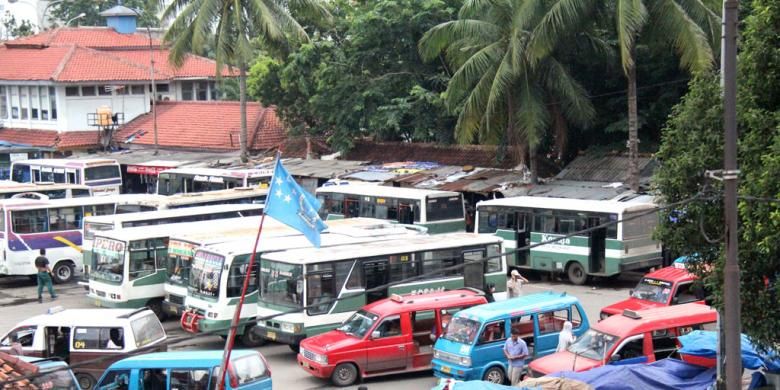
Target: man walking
{"type": "Point", "coordinates": [515, 351]}
{"type": "Point", "coordinates": [514, 285]}
{"type": "Point", "coordinates": [44, 276]}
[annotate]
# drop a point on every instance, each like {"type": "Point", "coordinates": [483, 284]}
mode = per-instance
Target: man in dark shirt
{"type": "Point", "coordinates": [44, 276]}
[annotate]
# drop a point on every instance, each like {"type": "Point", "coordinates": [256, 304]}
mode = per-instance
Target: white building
{"type": "Point", "coordinates": [57, 80]}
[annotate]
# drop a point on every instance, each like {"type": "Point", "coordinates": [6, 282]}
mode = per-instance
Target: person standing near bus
{"type": "Point", "coordinates": [44, 276]}
{"type": "Point", "coordinates": [515, 284]}
{"type": "Point", "coordinates": [515, 350]}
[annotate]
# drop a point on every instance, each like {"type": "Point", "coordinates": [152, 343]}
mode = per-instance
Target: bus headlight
{"type": "Point", "coordinates": [465, 361]}
{"type": "Point", "coordinates": [290, 328]}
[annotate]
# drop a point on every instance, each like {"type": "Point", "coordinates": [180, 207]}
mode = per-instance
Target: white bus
{"type": "Point", "coordinates": [361, 274]}
{"type": "Point", "coordinates": [189, 180]}
{"type": "Point", "coordinates": [604, 252]}
{"type": "Point", "coordinates": [103, 175]}
{"type": "Point", "coordinates": [28, 225]}
{"type": "Point", "coordinates": [97, 224]}
{"type": "Point", "coordinates": [129, 265]}
{"type": "Point", "coordinates": [152, 202]}
{"type": "Point", "coordinates": [182, 247]}
{"type": "Point", "coordinates": [12, 189]}
{"type": "Point", "coordinates": [217, 273]}
{"type": "Point", "coordinates": [438, 211]}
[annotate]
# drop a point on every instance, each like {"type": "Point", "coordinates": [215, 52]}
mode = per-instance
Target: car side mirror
{"type": "Point", "coordinates": [614, 358]}
{"type": "Point", "coordinates": [376, 334]}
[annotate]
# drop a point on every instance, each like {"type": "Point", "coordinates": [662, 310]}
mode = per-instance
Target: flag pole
{"type": "Point", "coordinates": [237, 315]}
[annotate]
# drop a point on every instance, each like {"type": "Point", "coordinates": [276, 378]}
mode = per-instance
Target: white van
{"type": "Point", "coordinates": [79, 335]}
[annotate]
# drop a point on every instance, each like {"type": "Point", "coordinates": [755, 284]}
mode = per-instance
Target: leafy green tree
{"type": "Point", "coordinates": [234, 24]}
{"type": "Point", "coordinates": [12, 29]}
{"type": "Point", "coordinates": [501, 92]}
{"type": "Point", "coordinates": [61, 12]}
{"type": "Point", "coordinates": [690, 27]}
{"type": "Point", "coordinates": [692, 144]}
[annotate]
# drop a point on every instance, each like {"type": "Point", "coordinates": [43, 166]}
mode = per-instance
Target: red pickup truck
{"type": "Point", "coordinates": [667, 286]}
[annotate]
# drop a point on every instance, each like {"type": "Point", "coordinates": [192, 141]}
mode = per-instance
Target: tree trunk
{"type": "Point", "coordinates": [633, 130]}
{"type": "Point", "coordinates": [242, 99]}
{"type": "Point", "coordinates": [532, 164]}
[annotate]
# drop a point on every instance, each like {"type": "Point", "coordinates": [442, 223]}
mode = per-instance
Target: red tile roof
{"type": "Point", "coordinates": [93, 37]}
{"type": "Point", "coordinates": [77, 139]}
{"type": "Point", "coordinates": [204, 125]}
{"type": "Point", "coordinates": [94, 54]}
{"type": "Point", "coordinates": [12, 368]}
{"type": "Point", "coordinates": [39, 138]}
{"type": "Point", "coordinates": [193, 66]}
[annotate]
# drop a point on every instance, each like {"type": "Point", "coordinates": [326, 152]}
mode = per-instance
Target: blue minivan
{"type": "Point", "coordinates": [190, 370]}
{"type": "Point", "coordinates": [472, 346]}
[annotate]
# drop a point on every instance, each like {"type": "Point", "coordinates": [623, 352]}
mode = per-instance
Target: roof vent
{"type": "Point", "coordinates": [631, 314]}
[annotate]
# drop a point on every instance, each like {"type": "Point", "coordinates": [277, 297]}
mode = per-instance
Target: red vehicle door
{"type": "Point", "coordinates": [387, 348]}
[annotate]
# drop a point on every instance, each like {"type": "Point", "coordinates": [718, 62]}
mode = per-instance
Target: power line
{"type": "Point", "coordinates": [172, 341]}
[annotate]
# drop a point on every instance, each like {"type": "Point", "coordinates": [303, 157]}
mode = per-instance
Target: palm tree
{"type": "Point", "coordinates": [500, 94]}
{"type": "Point", "coordinates": [233, 24]}
{"type": "Point", "coordinates": [691, 27]}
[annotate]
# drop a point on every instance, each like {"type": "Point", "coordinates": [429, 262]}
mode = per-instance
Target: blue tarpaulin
{"type": "Point", "coordinates": [705, 343]}
{"type": "Point", "coordinates": [663, 374]}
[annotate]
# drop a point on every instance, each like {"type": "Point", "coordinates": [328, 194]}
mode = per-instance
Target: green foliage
{"type": "Point", "coordinates": [12, 29]}
{"type": "Point", "coordinates": [363, 77]}
{"type": "Point", "coordinates": [63, 11]}
{"type": "Point", "coordinates": [693, 143]}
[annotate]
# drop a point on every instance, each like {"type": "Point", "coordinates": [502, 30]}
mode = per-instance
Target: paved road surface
{"type": "Point", "coordinates": [18, 302]}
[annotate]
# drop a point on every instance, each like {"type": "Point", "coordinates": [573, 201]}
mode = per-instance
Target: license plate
{"type": "Point", "coordinates": [271, 335]}
{"type": "Point", "coordinates": [305, 365]}
{"type": "Point", "coordinates": [446, 369]}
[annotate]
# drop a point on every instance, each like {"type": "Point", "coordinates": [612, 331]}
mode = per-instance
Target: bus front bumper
{"type": "Point", "coordinates": [279, 336]}
{"type": "Point", "coordinates": [446, 370]}
{"type": "Point", "coordinates": [173, 309]}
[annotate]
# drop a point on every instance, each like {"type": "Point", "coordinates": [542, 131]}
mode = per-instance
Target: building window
{"type": "Point", "coordinates": [121, 89]}
{"type": "Point", "coordinates": [34, 102]}
{"type": "Point", "coordinates": [88, 90]}
{"type": "Point", "coordinates": [202, 90]}
{"type": "Point", "coordinates": [14, 102]}
{"type": "Point", "coordinates": [43, 95]}
{"type": "Point", "coordinates": [104, 90]}
{"type": "Point", "coordinates": [137, 89]}
{"type": "Point", "coordinates": [163, 88]}
{"type": "Point", "coordinates": [186, 90]}
{"type": "Point", "coordinates": [213, 91]}
{"type": "Point", "coordinates": [3, 102]}
{"type": "Point", "coordinates": [53, 102]}
{"type": "Point", "coordinates": [24, 102]}
{"type": "Point", "coordinates": [72, 91]}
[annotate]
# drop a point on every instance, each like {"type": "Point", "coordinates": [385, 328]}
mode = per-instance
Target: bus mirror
{"type": "Point", "coordinates": [376, 334]}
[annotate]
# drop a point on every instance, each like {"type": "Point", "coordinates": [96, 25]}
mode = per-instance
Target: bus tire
{"type": "Point", "coordinates": [251, 339]}
{"type": "Point", "coordinates": [62, 272]}
{"type": "Point", "coordinates": [345, 374]}
{"type": "Point", "coordinates": [495, 375]}
{"type": "Point", "coordinates": [155, 305]}
{"type": "Point", "coordinates": [86, 381]}
{"type": "Point", "coordinates": [576, 273]}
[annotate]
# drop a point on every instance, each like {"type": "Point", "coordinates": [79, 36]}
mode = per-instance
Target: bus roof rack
{"type": "Point", "coordinates": [631, 314]}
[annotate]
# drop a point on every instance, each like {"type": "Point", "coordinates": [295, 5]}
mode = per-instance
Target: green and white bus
{"type": "Point", "coordinates": [182, 247]}
{"type": "Point", "coordinates": [438, 211]}
{"type": "Point", "coordinates": [217, 274]}
{"type": "Point", "coordinates": [603, 252]}
{"type": "Point", "coordinates": [294, 279]}
{"type": "Point", "coordinates": [130, 268]}
{"type": "Point", "coordinates": [97, 224]}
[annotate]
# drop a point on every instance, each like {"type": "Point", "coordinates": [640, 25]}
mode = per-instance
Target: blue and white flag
{"type": "Point", "coordinates": [293, 206]}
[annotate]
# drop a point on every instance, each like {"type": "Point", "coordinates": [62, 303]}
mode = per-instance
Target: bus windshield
{"type": "Point", "coordinates": [179, 261]}
{"type": "Point", "coordinates": [652, 290]}
{"type": "Point", "coordinates": [281, 283]}
{"type": "Point", "coordinates": [461, 330]}
{"type": "Point", "coordinates": [359, 324]}
{"type": "Point", "coordinates": [91, 227]}
{"type": "Point", "coordinates": [109, 259]}
{"type": "Point", "coordinates": [444, 208]}
{"type": "Point", "coordinates": [101, 173]}
{"type": "Point", "coordinates": [593, 345]}
{"type": "Point", "coordinates": [205, 273]}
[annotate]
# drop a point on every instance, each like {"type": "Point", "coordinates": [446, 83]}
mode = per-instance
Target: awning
{"type": "Point", "coordinates": [154, 167]}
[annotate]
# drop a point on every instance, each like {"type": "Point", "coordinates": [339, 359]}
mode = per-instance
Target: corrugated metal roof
{"type": "Point", "coordinates": [603, 168]}
{"type": "Point", "coordinates": [588, 190]}
{"type": "Point", "coordinates": [321, 169]}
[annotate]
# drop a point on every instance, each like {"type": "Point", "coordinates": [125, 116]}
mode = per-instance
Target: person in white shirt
{"type": "Point", "coordinates": [566, 337]}
{"type": "Point", "coordinates": [515, 284]}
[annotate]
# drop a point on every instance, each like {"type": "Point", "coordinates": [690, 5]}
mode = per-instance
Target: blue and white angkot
{"type": "Point", "coordinates": [292, 205]}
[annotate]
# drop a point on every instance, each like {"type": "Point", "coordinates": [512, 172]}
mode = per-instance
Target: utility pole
{"type": "Point", "coordinates": [731, 294]}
